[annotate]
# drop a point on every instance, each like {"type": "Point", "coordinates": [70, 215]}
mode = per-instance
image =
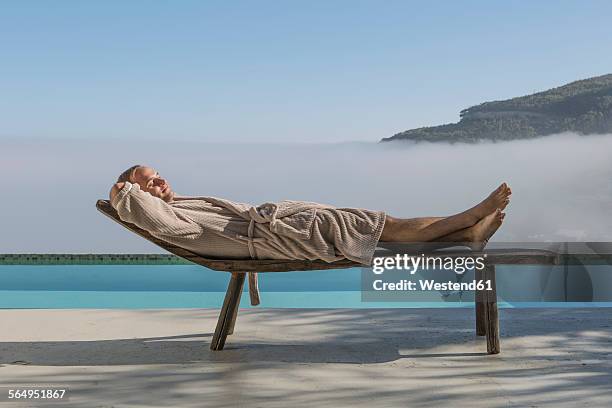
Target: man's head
{"type": "Point", "coordinates": [149, 180]}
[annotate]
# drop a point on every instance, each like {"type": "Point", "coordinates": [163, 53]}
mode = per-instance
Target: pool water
{"type": "Point", "coordinates": [192, 286]}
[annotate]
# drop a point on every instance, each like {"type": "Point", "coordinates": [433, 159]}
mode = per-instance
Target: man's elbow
{"type": "Point", "coordinates": [115, 190]}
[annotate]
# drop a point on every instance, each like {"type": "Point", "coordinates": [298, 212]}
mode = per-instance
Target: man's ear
{"type": "Point", "coordinates": [115, 190]}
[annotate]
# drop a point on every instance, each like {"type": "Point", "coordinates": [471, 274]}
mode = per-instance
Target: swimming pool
{"type": "Point", "coordinates": [192, 286]}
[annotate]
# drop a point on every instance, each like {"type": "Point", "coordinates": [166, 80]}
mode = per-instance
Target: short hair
{"type": "Point", "coordinates": [128, 174]}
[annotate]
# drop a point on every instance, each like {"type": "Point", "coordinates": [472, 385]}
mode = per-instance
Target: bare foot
{"type": "Point", "coordinates": [484, 229]}
{"type": "Point", "coordinates": [499, 198]}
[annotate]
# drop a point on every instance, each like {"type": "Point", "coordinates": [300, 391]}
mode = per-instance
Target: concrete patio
{"type": "Point", "coordinates": [311, 357]}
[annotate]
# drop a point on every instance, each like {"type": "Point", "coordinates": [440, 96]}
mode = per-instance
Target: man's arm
{"type": "Point", "coordinates": [151, 213]}
{"type": "Point", "coordinates": [115, 190]}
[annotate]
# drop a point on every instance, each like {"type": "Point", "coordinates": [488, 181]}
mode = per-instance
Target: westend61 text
{"type": "Point", "coordinates": [412, 263]}
{"type": "Point", "coordinates": [430, 284]}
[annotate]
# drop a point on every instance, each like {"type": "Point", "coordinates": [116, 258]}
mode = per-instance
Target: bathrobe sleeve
{"type": "Point", "coordinates": [153, 214]}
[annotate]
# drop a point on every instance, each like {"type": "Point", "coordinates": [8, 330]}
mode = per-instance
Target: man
{"type": "Point", "coordinates": [219, 228]}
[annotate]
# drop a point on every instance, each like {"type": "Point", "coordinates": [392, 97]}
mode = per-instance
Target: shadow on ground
{"type": "Point", "coordinates": [399, 357]}
{"type": "Point", "coordinates": [342, 336]}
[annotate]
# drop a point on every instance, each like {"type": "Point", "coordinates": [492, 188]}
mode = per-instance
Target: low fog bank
{"type": "Point", "coordinates": [562, 184]}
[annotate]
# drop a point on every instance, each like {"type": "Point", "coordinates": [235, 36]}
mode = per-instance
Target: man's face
{"type": "Point", "coordinates": [149, 180]}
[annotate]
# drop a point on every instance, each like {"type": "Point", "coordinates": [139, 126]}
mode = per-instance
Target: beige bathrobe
{"type": "Point", "coordinates": [218, 228]}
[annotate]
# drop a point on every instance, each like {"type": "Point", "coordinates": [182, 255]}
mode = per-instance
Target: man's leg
{"type": "Point", "coordinates": [475, 236]}
{"type": "Point", "coordinates": [431, 228]}
{"type": "Point", "coordinates": [424, 229]}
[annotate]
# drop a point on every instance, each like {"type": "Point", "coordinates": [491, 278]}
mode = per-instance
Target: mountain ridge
{"type": "Point", "coordinates": [583, 106]}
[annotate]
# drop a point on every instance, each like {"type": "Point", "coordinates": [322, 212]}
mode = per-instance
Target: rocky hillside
{"type": "Point", "coordinates": [583, 107]}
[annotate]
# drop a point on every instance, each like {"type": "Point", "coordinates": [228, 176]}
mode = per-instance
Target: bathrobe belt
{"type": "Point", "coordinates": [266, 213]}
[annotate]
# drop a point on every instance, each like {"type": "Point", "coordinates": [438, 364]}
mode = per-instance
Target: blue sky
{"type": "Point", "coordinates": [314, 71]}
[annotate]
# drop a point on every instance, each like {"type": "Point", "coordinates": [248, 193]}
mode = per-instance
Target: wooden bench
{"type": "Point", "coordinates": [238, 268]}
{"type": "Point", "coordinates": [487, 319]}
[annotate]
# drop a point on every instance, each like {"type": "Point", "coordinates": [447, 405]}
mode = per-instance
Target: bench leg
{"type": "Point", "coordinates": [233, 321]}
{"type": "Point", "coordinates": [253, 288]}
{"type": "Point", "coordinates": [481, 329]}
{"type": "Point", "coordinates": [490, 312]}
{"type": "Point", "coordinates": [230, 304]}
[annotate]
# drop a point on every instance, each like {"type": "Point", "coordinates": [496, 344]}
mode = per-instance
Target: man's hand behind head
{"type": "Point", "coordinates": [115, 190]}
